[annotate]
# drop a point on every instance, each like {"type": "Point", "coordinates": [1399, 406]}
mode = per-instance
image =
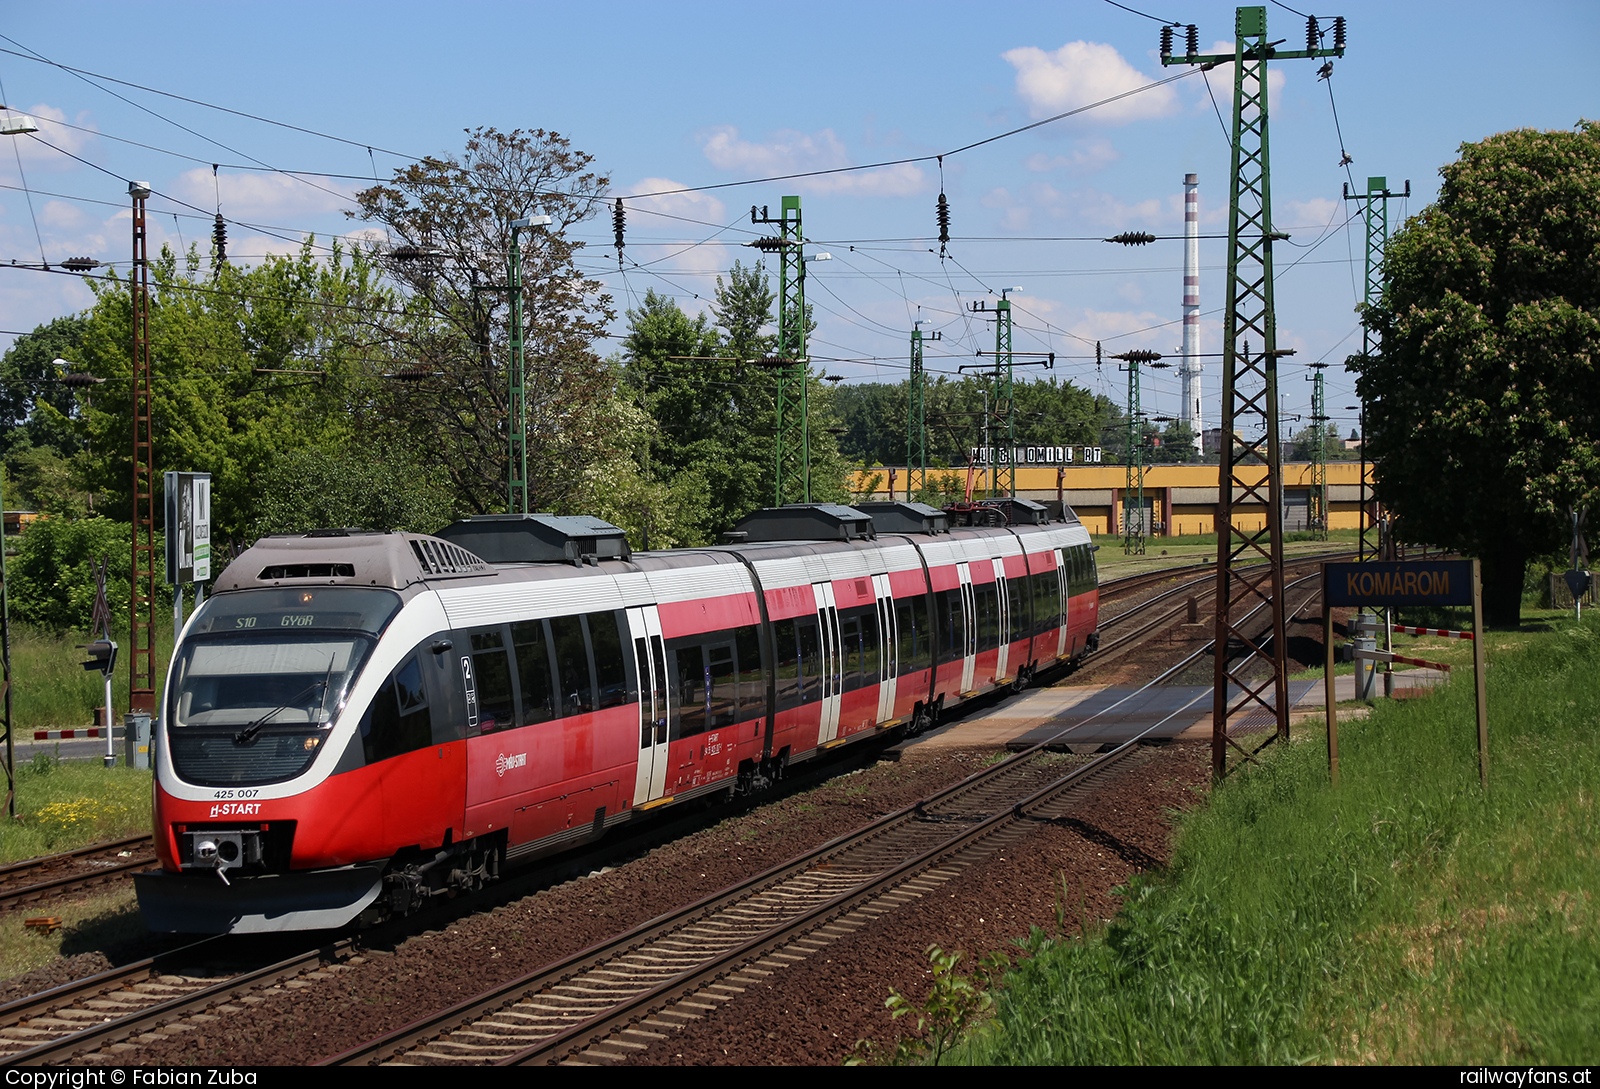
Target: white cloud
{"type": "Point", "coordinates": [1313, 214]}
{"type": "Point", "coordinates": [1086, 157]}
{"type": "Point", "coordinates": [666, 234]}
{"type": "Point", "coordinates": [258, 196]}
{"type": "Point", "coordinates": [791, 152]}
{"type": "Point", "coordinates": [1088, 206]}
{"type": "Point", "coordinates": [1083, 72]}
{"type": "Point", "coordinates": [58, 213]}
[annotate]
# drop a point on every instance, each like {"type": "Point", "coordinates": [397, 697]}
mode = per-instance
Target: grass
{"type": "Point", "coordinates": [67, 804]}
{"type": "Point", "coordinates": [51, 690]}
{"type": "Point", "coordinates": [1407, 917]}
{"type": "Point", "coordinates": [96, 921]}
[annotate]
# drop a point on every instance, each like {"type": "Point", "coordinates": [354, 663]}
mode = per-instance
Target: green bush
{"type": "Point", "coordinates": [52, 580]}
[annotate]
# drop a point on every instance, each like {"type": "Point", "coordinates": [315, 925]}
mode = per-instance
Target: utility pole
{"type": "Point", "coordinates": [1002, 470]}
{"type": "Point", "coordinates": [142, 573]}
{"type": "Point", "coordinates": [1135, 523]}
{"type": "Point", "coordinates": [1375, 212]}
{"type": "Point", "coordinates": [517, 401]}
{"type": "Point", "coordinates": [1319, 455]}
{"type": "Point", "coordinates": [917, 414]}
{"type": "Point", "coordinates": [792, 456]}
{"type": "Point", "coordinates": [1249, 396]}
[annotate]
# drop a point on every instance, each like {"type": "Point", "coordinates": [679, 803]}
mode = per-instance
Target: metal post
{"type": "Point", "coordinates": [517, 401]}
{"type": "Point", "coordinates": [792, 452]}
{"type": "Point", "coordinates": [1249, 398]}
{"type": "Point", "coordinates": [1006, 469]}
{"type": "Point", "coordinates": [917, 415]}
{"type": "Point", "coordinates": [142, 590]}
{"type": "Point", "coordinates": [1133, 488]}
{"type": "Point", "coordinates": [1320, 508]}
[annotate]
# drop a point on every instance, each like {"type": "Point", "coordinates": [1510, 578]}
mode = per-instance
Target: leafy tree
{"type": "Point", "coordinates": [713, 412]}
{"type": "Point", "coordinates": [1305, 443]}
{"type": "Point", "coordinates": [354, 486]}
{"type": "Point", "coordinates": [1483, 406]}
{"type": "Point", "coordinates": [247, 364]}
{"type": "Point", "coordinates": [449, 221]}
{"type": "Point", "coordinates": [52, 577]}
{"type": "Point", "coordinates": [34, 407]}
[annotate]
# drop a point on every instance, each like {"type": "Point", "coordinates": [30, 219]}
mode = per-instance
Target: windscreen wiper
{"type": "Point", "coordinates": [248, 734]}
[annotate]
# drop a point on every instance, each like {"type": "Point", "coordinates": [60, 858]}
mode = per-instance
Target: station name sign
{"type": "Point", "coordinates": [1040, 455]}
{"type": "Point", "coordinates": [1412, 582]}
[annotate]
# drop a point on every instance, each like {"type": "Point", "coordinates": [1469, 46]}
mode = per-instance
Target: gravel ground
{"type": "Point", "coordinates": [814, 1012]}
{"type": "Point", "coordinates": [387, 989]}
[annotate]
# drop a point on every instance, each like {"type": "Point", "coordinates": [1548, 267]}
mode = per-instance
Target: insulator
{"type": "Point", "coordinates": [411, 374]}
{"type": "Point", "coordinates": [944, 220]}
{"type": "Point", "coordinates": [1133, 238]}
{"type": "Point", "coordinates": [219, 238]}
{"type": "Point", "coordinates": [768, 245]}
{"type": "Point", "coordinates": [619, 220]}
{"type": "Point", "coordinates": [1166, 41]}
{"type": "Point", "coordinates": [1311, 34]}
{"type": "Point", "coordinates": [1338, 33]}
{"type": "Point", "coordinates": [80, 264]}
{"type": "Point", "coordinates": [1140, 355]}
{"type": "Point", "coordinates": [1193, 40]}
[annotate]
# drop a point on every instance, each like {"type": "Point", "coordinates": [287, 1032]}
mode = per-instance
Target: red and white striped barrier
{"type": "Point", "coordinates": [70, 735]}
{"type": "Point", "coordinates": [1385, 656]}
{"type": "Point", "coordinates": [1401, 629]}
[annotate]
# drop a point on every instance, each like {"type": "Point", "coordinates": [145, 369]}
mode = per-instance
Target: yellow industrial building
{"type": "Point", "coordinates": [1179, 500]}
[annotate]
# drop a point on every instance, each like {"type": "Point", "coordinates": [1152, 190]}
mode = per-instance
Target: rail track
{"type": "Point", "coordinates": [672, 969]}
{"type": "Point", "coordinates": [39, 879]}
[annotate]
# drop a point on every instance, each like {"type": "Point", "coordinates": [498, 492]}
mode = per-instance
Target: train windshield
{"type": "Point", "coordinates": [264, 660]}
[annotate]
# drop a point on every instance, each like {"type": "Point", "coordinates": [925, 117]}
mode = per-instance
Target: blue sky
{"type": "Point", "coordinates": [677, 95]}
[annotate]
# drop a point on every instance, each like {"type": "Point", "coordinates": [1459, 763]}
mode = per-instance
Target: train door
{"type": "Point", "coordinates": [969, 605]}
{"type": "Point", "coordinates": [1062, 598]}
{"type": "Point", "coordinates": [1003, 600]}
{"type": "Point", "coordinates": [832, 666]}
{"type": "Point", "coordinates": [888, 648]}
{"type": "Point", "coordinates": [649, 655]}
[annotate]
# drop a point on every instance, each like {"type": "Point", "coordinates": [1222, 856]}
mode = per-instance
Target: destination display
{"type": "Point", "coordinates": [1408, 582]}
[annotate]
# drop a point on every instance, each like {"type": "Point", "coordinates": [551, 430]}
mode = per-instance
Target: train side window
{"type": "Point", "coordinates": [986, 601]}
{"type": "Point", "coordinates": [721, 686]}
{"type": "Point", "coordinates": [810, 658]}
{"type": "Point", "coordinates": [576, 685]}
{"type": "Point", "coordinates": [533, 671]}
{"type": "Point", "coordinates": [689, 663]}
{"type": "Point", "coordinates": [850, 650]}
{"type": "Point", "coordinates": [952, 624]}
{"type": "Point", "coordinates": [870, 648]}
{"type": "Point", "coordinates": [786, 664]}
{"type": "Point", "coordinates": [922, 634]}
{"type": "Point", "coordinates": [491, 668]}
{"type": "Point", "coordinates": [752, 675]}
{"type": "Point", "coordinates": [610, 670]}
{"type": "Point", "coordinates": [399, 720]}
{"type": "Point", "coordinates": [1046, 601]}
{"type": "Point", "coordinates": [1017, 594]}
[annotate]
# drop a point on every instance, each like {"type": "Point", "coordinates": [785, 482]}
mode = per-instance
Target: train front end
{"type": "Point", "coordinates": [266, 816]}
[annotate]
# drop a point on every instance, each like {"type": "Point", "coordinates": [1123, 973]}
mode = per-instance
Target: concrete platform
{"type": "Point", "coordinates": [1092, 718]}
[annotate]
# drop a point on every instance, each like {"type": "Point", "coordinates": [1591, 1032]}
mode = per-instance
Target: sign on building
{"type": "Point", "coordinates": [1041, 455]}
{"type": "Point", "coordinates": [188, 503]}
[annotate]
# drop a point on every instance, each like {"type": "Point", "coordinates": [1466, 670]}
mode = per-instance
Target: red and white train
{"type": "Point", "coordinates": [357, 721]}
